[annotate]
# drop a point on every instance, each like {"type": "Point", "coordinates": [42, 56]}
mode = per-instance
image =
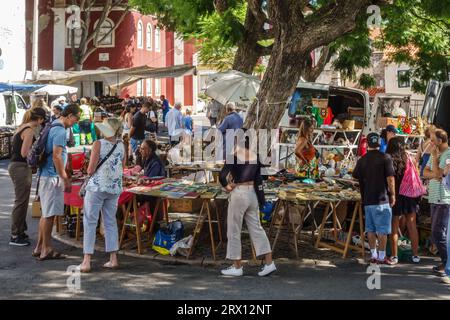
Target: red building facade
{"type": "Point", "coordinates": [137, 41]}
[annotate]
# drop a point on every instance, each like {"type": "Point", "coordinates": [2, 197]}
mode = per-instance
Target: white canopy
{"type": "Point", "coordinates": [56, 90]}
{"type": "Point", "coordinates": [114, 77]}
{"type": "Point", "coordinates": [232, 86]}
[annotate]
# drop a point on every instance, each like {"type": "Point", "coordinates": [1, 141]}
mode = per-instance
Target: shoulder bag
{"type": "Point", "coordinates": [82, 191]}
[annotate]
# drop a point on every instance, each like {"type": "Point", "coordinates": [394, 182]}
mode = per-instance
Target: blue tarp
{"type": "Point", "coordinates": [19, 87]}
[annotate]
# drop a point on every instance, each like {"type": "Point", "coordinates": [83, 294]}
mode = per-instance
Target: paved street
{"type": "Point", "coordinates": [22, 277]}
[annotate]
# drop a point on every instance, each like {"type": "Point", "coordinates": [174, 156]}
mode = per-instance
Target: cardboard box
{"type": "Point", "coordinates": [36, 210]}
{"type": "Point", "coordinates": [383, 122]}
{"type": "Point", "coordinates": [348, 125]}
{"type": "Point", "coordinates": [321, 103]}
{"type": "Point", "coordinates": [185, 205]}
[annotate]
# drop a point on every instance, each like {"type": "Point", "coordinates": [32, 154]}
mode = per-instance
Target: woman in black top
{"type": "Point", "coordinates": [21, 174]}
{"type": "Point", "coordinates": [244, 184]}
{"type": "Point", "coordinates": [404, 206]}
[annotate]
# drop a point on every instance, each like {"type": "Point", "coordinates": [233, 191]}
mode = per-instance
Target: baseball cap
{"type": "Point", "coordinates": [373, 140]}
{"type": "Point", "coordinates": [391, 128]}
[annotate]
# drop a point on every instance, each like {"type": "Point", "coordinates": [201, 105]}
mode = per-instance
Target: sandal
{"type": "Point", "coordinates": [35, 254]}
{"type": "Point", "coordinates": [79, 268]}
{"type": "Point", "coordinates": [52, 255]}
{"type": "Point", "coordinates": [109, 265]}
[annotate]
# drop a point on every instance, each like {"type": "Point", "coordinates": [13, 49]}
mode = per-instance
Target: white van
{"type": "Point", "coordinates": [436, 108]}
{"type": "Point", "coordinates": [12, 109]}
{"type": "Point", "coordinates": [340, 99]}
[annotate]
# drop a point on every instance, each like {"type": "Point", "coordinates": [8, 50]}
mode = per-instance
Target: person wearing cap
{"type": "Point", "coordinates": [376, 176]}
{"type": "Point", "coordinates": [102, 192]}
{"type": "Point", "coordinates": [21, 174]}
{"type": "Point", "coordinates": [387, 134]}
{"type": "Point", "coordinates": [63, 102]}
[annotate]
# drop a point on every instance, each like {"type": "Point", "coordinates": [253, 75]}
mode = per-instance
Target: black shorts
{"type": "Point", "coordinates": [405, 205]}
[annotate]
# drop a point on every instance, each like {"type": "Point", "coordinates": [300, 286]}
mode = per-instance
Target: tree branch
{"type": "Point", "coordinates": [92, 50]}
{"type": "Point", "coordinates": [105, 13]}
{"type": "Point", "coordinates": [327, 24]}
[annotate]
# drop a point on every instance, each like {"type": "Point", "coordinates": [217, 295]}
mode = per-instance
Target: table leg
{"type": "Point", "coordinates": [294, 233]}
{"type": "Point", "coordinates": [361, 230]}
{"type": "Point", "coordinates": [125, 218]}
{"type": "Point", "coordinates": [197, 230]}
{"type": "Point", "coordinates": [138, 229]}
{"type": "Point", "coordinates": [274, 214]}
{"type": "Point", "coordinates": [219, 225]}
{"type": "Point", "coordinates": [211, 233]}
{"type": "Point", "coordinates": [281, 225]}
{"type": "Point", "coordinates": [78, 227]}
{"type": "Point", "coordinates": [349, 236]}
{"type": "Point", "coordinates": [322, 225]}
{"type": "Point", "coordinates": [154, 217]}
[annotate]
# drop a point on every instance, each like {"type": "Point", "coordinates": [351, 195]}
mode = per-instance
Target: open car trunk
{"type": "Point", "coordinates": [442, 115]}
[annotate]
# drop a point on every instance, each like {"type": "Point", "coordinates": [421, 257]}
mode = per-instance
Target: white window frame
{"type": "Point", "coordinates": [112, 35]}
{"type": "Point", "coordinates": [149, 37]}
{"type": "Point", "coordinates": [69, 38]}
{"type": "Point", "coordinates": [140, 34]}
{"type": "Point", "coordinates": [140, 88]}
{"type": "Point", "coordinates": [157, 87]}
{"type": "Point", "coordinates": [157, 39]}
{"type": "Point", "coordinates": [148, 87]}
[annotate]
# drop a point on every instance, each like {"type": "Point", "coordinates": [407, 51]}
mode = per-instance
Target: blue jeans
{"type": "Point", "coordinates": [439, 229]}
{"type": "Point", "coordinates": [135, 144]}
{"type": "Point", "coordinates": [447, 265]}
{"type": "Point", "coordinates": [378, 218]}
{"type": "Point", "coordinates": [94, 202]}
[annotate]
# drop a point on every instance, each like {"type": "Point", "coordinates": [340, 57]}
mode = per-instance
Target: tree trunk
{"type": "Point", "coordinates": [249, 50]}
{"type": "Point", "coordinates": [280, 79]}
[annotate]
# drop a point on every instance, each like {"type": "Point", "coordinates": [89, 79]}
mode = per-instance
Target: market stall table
{"type": "Point", "coordinates": [162, 197]}
{"type": "Point", "coordinates": [308, 199]}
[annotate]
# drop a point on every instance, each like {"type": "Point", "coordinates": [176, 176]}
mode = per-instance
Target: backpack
{"type": "Point", "coordinates": [37, 156]}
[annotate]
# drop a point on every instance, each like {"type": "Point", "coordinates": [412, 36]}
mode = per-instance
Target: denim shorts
{"type": "Point", "coordinates": [378, 218]}
{"type": "Point", "coordinates": [135, 144]}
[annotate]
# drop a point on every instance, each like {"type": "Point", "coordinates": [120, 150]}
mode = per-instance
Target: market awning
{"type": "Point", "coordinates": [19, 87]}
{"type": "Point", "coordinates": [114, 77]}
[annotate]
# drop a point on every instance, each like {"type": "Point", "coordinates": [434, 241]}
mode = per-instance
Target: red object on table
{"type": "Point", "coordinates": [126, 196]}
{"type": "Point", "coordinates": [73, 199]}
{"type": "Point", "coordinates": [78, 160]}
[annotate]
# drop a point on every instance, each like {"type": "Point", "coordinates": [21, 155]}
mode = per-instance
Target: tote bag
{"type": "Point", "coordinates": [411, 185]}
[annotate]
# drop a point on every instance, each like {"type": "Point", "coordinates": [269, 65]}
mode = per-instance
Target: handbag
{"type": "Point", "coordinates": [411, 185]}
{"type": "Point", "coordinates": [82, 191]}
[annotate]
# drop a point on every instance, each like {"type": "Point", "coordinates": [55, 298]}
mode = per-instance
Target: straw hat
{"type": "Point", "coordinates": [109, 127]}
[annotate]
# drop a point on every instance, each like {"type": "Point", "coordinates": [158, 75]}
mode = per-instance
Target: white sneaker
{"type": "Point", "coordinates": [232, 271]}
{"type": "Point", "coordinates": [394, 260]}
{"type": "Point", "coordinates": [415, 259]}
{"type": "Point", "coordinates": [267, 269]}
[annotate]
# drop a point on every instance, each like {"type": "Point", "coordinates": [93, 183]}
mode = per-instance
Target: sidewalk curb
{"type": "Point", "coordinates": [209, 262]}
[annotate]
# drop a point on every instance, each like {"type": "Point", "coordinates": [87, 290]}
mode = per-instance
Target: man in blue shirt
{"type": "Point", "coordinates": [54, 181]}
{"type": "Point", "coordinates": [165, 107]}
{"type": "Point", "coordinates": [231, 121]}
